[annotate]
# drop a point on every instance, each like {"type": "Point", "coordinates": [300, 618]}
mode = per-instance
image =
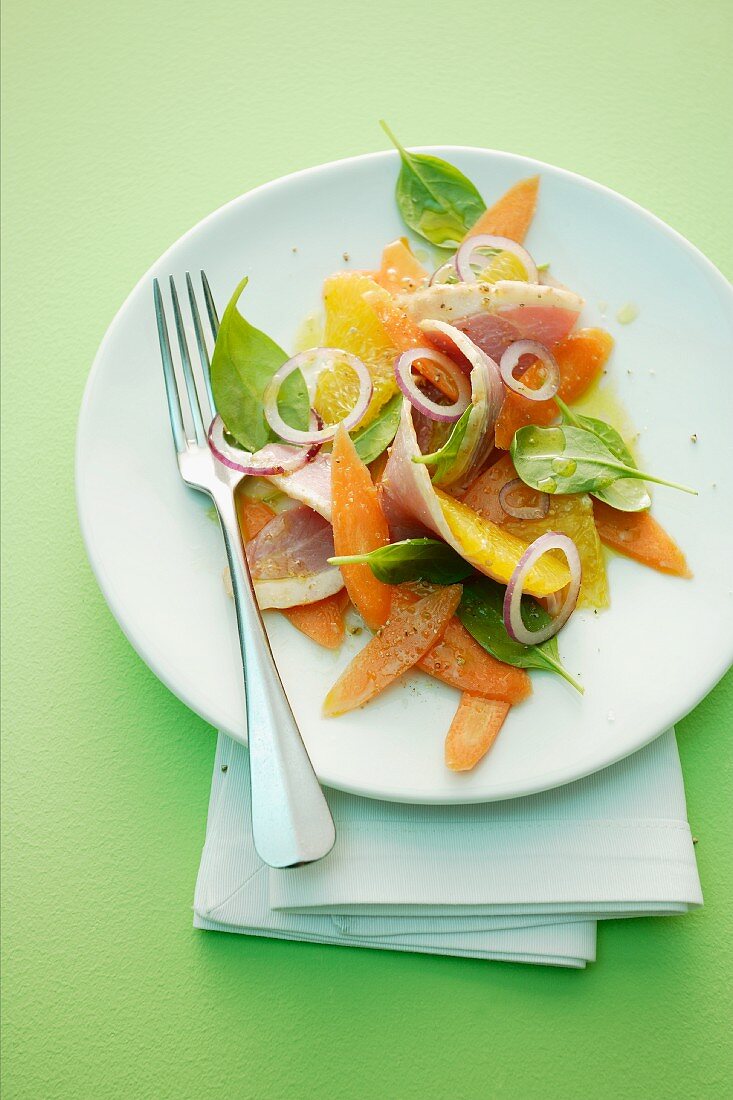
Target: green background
{"type": "Point", "coordinates": [124, 125]}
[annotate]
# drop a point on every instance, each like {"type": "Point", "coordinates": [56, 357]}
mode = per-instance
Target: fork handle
{"type": "Point", "coordinates": [291, 821]}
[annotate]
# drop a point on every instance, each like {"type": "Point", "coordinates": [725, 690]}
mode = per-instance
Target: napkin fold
{"type": "Point", "coordinates": [522, 880]}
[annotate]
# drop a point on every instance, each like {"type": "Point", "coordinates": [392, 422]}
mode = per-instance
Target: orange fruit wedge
{"type": "Point", "coordinates": [408, 634]}
{"type": "Point", "coordinates": [472, 732]}
{"type": "Point", "coordinates": [511, 215]}
{"type": "Point", "coordinates": [638, 535]}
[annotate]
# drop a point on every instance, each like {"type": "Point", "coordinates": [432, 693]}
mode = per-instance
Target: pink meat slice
{"type": "Point", "coordinates": [295, 543]}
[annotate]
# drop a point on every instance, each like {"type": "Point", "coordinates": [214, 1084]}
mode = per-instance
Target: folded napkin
{"type": "Point", "coordinates": [522, 880]}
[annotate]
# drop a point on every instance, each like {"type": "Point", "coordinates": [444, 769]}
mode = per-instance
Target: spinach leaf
{"type": "Point", "coordinates": [444, 458]}
{"type": "Point", "coordinates": [372, 440]}
{"type": "Point", "coordinates": [571, 460]}
{"type": "Point", "coordinates": [481, 612]}
{"type": "Point", "coordinates": [626, 494]}
{"type": "Point", "coordinates": [435, 199]}
{"type": "Point", "coordinates": [244, 361]}
{"type": "Point", "coordinates": [412, 560]}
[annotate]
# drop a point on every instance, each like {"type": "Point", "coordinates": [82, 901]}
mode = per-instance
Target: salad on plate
{"type": "Point", "coordinates": [423, 473]}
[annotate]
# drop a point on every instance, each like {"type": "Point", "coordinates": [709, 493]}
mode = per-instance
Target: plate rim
{"type": "Point", "coordinates": [551, 780]}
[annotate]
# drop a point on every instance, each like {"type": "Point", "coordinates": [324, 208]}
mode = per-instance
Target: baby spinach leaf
{"type": "Point", "coordinates": [571, 460]}
{"type": "Point", "coordinates": [481, 612]}
{"type": "Point", "coordinates": [626, 494]}
{"type": "Point", "coordinates": [435, 199]}
{"type": "Point", "coordinates": [412, 560]}
{"type": "Point", "coordinates": [372, 440]}
{"type": "Point", "coordinates": [244, 361]}
{"type": "Point", "coordinates": [444, 458]}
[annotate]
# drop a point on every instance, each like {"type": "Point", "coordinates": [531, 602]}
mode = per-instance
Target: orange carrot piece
{"type": "Point", "coordinates": [581, 357]}
{"type": "Point", "coordinates": [253, 515]}
{"type": "Point", "coordinates": [405, 335]}
{"type": "Point", "coordinates": [512, 214]}
{"type": "Point", "coordinates": [358, 527]}
{"type": "Point", "coordinates": [472, 732]}
{"type": "Point", "coordinates": [401, 271]}
{"type": "Point", "coordinates": [407, 635]}
{"type": "Point", "coordinates": [458, 660]}
{"type": "Point", "coordinates": [638, 535]}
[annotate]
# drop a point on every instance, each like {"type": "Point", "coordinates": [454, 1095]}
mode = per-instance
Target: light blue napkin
{"type": "Point", "coordinates": [522, 880]}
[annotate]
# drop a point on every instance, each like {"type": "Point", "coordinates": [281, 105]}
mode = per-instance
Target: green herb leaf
{"type": "Point", "coordinates": [435, 199]}
{"type": "Point", "coordinates": [244, 361]}
{"type": "Point", "coordinates": [481, 612]}
{"type": "Point", "coordinates": [571, 460]}
{"type": "Point", "coordinates": [372, 440]}
{"type": "Point", "coordinates": [626, 494]}
{"type": "Point", "coordinates": [444, 458]}
{"type": "Point", "coordinates": [412, 560]}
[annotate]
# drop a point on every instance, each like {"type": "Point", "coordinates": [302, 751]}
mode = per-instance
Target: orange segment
{"type": "Point", "coordinates": [512, 214]}
{"type": "Point", "coordinates": [460, 661]}
{"type": "Point", "coordinates": [358, 527]}
{"type": "Point", "coordinates": [496, 552]}
{"type": "Point", "coordinates": [401, 271]}
{"type": "Point", "coordinates": [572, 515]}
{"type": "Point", "coordinates": [581, 357]}
{"type": "Point", "coordinates": [472, 732]}
{"type": "Point", "coordinates": [409, 633]}
{"type": "Point", "coordinates": [638, 535]}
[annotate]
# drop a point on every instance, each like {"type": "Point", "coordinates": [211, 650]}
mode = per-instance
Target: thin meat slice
{"type": "Point", "coordinates": [288, 559]}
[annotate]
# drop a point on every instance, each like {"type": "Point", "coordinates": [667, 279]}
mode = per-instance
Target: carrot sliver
{"type": "Point", "coordinates": [472, 732]}
{"type": "Point", "coordinates": [401, 271]}
{"type": "Point", "coordinates": [458, 660]}
{"type": "Point", "coordinates": [511, 215]}
{"type": "Point", "coordinates": [638, 535]}
{"type": "Point", "coordinates": [359, 526]}
{"type": "Point", "coordinates": [405, 335]}
{"type": "Point", "coordinates": [581, 357]}
{"type": "Point", "coordinates": [407, 635]}
{"type": "Point", "coordinates": [253, 515]}
{"type": "Point", "coordinates": [322, 621]}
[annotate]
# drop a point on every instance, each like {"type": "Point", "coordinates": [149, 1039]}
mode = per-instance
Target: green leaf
{"type": "Point", "coordinates": [372, 440]}
{"type": "Point", "coordinates": [626, 494]}
{"type": "Point", "coordinates": [481, 611]}
{"type": "Point", "coordinates": [444, 458]}
{"type": "Point", "coordinates": [244, 361]}
{"type": "Point", "coordinates": [435, 199]}
{"type": "Point", "coordinates": [571, 460]}
{"type": "Point", "coordinates": [412, 560]}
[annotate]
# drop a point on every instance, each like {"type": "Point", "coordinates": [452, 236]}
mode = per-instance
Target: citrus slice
{"type": "Point", "coordinates": [504, 265]}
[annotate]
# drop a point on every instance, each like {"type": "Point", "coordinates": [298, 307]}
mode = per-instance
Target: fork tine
{"type": "Point", "coordinates": [193, 397]}
{"type": "Point", "coordinates": [201, 343]}
{"type": "Point", "coordinates": [171, 389]}
{"type": "Point", "coordinates": [210, 306]}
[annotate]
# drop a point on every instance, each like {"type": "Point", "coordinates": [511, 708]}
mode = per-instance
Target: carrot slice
{"type": "Point", "coordinates": [401, 271]}
{"type": "Point", "coordinates": [638, 535]}
{"type": "Point", "coordinates": [512, 214]}
{"type": "Point", "coordinates": [405, 335]}
{"type": "Point", "coordinates": [407, 635]}
{"type": "Point", "coordinates": [458, 660]}
{"type": "Point", "coordinates": [253, 515]}
{"type": "Point", "coordinates": [358, 527]}
{"type": "Point", "coordinates": [581, 357]}
{"type": "Point", "coordinates": [472, 732]}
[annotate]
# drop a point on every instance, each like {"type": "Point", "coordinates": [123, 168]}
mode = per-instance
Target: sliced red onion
{"type": "Point", "coordinates": [510, 361]}
{"type": "Point", "coordinates": [312, 362]}
{"type": "Point", "coordinates": [538, 511]}
{"type": "Point", "coordinates": [469, 254]}
{"type": "Point", "coordinates": [443, 274]}
{"type": "Point", "coordinates": [448, 414]}
{"type": "Point", "coordinates": [273, 458]}
{"type": "Point", "coordinates": [552, 540]}
{"type": "Point", "coordinates": [475, 356]}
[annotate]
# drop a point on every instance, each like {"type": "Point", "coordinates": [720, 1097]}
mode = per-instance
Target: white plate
{"type": "Point", "coordinates": [644, 663]}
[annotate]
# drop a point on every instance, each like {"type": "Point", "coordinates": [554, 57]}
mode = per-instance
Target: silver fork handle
{"type": "Point", "coordinates": [291, 821]}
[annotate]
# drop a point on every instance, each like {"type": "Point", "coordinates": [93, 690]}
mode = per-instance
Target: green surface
{"type": "Point", "coordinates": [125, 124]}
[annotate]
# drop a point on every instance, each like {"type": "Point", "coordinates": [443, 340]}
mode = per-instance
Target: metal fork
{"type": "Point", "coordinates": [291, 821]}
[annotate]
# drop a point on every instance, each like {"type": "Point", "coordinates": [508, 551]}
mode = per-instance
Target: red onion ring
{"type": "Point", "coordinates": [464, 257]}
{"type": "Point", "coordinates": [319, 358]}
{"type": "Point", "coordinates": [510, 360]}
{"type": "Point", "coordinates": [273, 458]}
{"type": "Point", "coordinates": [443, 273]}
{"type": "Point", "coordinates": [447, 414]}
{"type": "Point", "coordinates": [475, 355]}
{"type": "Point", "coordinates": [538, 511]}
{"type": "Point", "coordinates": [551, 540]}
